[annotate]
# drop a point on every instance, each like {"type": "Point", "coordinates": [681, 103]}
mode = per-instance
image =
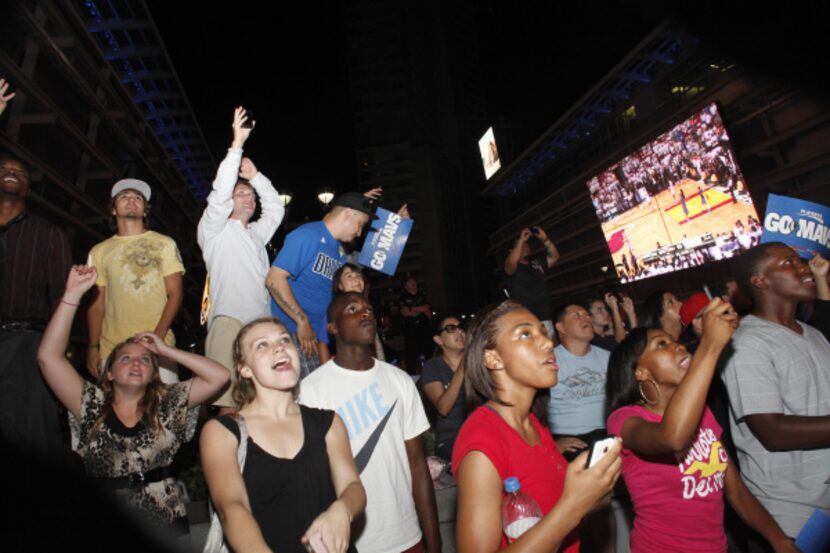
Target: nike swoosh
{"type": "Point", "coordinates": [365, 454]}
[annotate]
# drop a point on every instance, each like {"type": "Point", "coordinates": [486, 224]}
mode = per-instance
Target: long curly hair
{"type": "Point", "coordinates": [148, 405]}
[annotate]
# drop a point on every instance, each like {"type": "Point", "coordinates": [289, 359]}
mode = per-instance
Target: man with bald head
{"type": "Point", "coordinates": [779, 389]}
{"type": "Point", "coordinates": [34, 260]}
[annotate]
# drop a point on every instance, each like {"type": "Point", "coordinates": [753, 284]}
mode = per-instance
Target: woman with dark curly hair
{"type": "Point", "coordinates": [674, 464]}
{"type": "Point", "coordinates": [131, 424]}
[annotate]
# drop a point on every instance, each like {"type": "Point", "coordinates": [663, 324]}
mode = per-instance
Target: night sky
{"type": "Point", "coordinates": [539, 58]}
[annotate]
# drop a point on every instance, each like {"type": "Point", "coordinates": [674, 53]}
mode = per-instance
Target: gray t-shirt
{"type": "Point", "coordinates": [577, 402]}
{"type": "Point", "coordinates": [777, 370]}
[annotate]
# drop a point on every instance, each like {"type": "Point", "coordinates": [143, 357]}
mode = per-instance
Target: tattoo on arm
{"type": "Point", "coordinates": [289, 307]}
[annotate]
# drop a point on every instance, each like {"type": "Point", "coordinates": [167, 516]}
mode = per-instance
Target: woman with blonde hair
{"type": "Point", "coordinates": [299, 483]}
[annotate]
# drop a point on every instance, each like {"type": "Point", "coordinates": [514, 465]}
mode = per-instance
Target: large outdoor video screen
{"type": "Point", "coordinates": [679, 201]}
{"type": "Point", "coordinates": [489, 153]}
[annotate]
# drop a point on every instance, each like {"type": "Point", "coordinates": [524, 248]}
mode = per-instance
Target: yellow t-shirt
{"type": "Point", "coordinates": [132, 268]}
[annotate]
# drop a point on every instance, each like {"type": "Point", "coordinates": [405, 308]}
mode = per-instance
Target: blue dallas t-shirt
{"type": "Point", "coordinates": [311, 255]}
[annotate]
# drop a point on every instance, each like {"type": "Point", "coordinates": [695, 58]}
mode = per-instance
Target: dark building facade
{"type": "Point", "coordinates": [418, 112]}
{"type": "Point", "coordinates": [778, 131]}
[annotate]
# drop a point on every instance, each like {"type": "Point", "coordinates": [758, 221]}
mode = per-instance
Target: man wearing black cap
{"type": "Point", "coordinates": [300, 277]}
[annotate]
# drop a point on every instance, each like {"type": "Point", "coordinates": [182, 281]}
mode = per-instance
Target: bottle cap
{"type": "Point", "coordinates": [511, 484]}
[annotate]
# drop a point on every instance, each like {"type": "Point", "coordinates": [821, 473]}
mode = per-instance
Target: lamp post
{"type": "Point", "coordinates": [325, 197]}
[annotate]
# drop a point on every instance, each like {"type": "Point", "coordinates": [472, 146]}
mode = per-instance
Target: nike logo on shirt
{"type": "Point", "coordinates": [365, 454]}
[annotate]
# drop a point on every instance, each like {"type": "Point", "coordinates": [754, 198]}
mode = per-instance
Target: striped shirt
{"type": "Point", "coordinates": [776, 370]}
{"type": "Point", "coordinates": [35, 259]}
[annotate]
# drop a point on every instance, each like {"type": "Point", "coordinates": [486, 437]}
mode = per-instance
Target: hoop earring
{"type": "Point", "coordinates": [645, 397]}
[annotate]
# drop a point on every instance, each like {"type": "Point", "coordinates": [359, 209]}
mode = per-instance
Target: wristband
{"type": "Point", "coordinates": [70, 303]}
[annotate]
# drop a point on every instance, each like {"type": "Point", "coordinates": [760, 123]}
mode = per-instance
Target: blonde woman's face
{"type": "Point", "coordinates": [271, 358]}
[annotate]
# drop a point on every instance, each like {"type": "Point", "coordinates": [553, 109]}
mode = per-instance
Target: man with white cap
{"type": "Point", "coordinates": [139, 285]}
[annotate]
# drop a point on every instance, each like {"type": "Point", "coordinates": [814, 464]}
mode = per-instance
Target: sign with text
{"type": "Point", "coordinates": [802, 225]}
{"type": "Point", "coordinates": [384, 245]}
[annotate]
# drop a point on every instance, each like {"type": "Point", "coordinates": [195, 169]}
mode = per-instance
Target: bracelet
{"type": "Point", "coordinates": [70, 303]}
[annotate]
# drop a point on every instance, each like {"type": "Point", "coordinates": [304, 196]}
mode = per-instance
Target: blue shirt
{"type": "Point", "coordinates": [577, 402]}
{"type": "Point", "coordinates": [311, 256]}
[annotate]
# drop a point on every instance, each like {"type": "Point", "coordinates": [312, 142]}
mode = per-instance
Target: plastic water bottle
{"type": "Point", "coordinates": [519, 512]}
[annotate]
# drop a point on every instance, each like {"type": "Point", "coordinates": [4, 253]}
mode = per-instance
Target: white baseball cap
{"type": "Point", "coordinates": [131, 184]}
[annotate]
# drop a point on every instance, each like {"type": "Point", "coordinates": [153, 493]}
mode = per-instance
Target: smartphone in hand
{"type": "Point", "coordinates": [598, 450]}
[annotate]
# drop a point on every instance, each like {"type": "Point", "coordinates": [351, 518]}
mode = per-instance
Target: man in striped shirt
{"type": "Point", "coordinates": [34, 261]}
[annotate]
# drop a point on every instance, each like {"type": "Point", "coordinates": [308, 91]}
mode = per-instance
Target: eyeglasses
{"type": "Point", "coordinates": [450, 329]}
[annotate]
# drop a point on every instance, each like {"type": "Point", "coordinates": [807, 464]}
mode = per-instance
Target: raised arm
{"type": "Point", "coordinates": [59, 374]}
{"type": "Point", "coordinates": [334, 524]}
{"type": "Point", "coordinates": [478, 522]}
{"type": "Point", "coordinates": [551, 253]}
{"type": "Point", "coordinates": [819, 267]}
{"type": "Point", "coordinates": [444, 399]}
{"type": "Point", "coordinates": [683, 412]}
{"type": "Point", "coordinates": [277, 284]}
{"type": "Point", "coordinates": [4, 98]}
{"type": "Point", "coordinates": [424, 495]}
{"type": "Point", "coordinates": [614, 307]}
{"type": "Point", "coordinates": [220, 200]}
{"type": "Point", "coordinates": [218, 447]}
{"type": "Point", "coordinates": [630, 312]}
{"type": "Point", "coordinates": [272, 210]}
{"type": "Point", "coordinates": [512, 260]}
{"type": "Point", "coordinates": [208, 376]}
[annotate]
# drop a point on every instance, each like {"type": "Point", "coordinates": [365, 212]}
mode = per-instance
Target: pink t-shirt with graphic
{"type": "Point", "coordinates": [678, 499]}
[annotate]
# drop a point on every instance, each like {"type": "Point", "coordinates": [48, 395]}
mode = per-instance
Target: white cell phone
{"type": "Point", "coordinates": [599, 450]}
{"type": "Point", "coordinates": [315, 544]}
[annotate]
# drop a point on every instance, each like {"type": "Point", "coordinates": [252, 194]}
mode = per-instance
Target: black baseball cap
{"type": "Point", "coordinates": [356, 201]}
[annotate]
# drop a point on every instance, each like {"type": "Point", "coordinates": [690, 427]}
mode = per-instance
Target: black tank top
{"type": "Point", "coordinates": [286, 495]}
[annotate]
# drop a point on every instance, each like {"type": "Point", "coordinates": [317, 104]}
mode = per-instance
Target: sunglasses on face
{"type": "Point", "coordinates": [451, 329]}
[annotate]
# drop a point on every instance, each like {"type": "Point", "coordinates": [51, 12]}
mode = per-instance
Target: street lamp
{"type": "Point", "coordinates": [325, 197]}
{"type": "Point", "coordinates": [285, 199]}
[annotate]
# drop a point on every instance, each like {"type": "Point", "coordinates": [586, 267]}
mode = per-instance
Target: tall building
{"type": "Point", "coordinates": [418, 113]}
{"type": "Point", "coordinates": [778, 132]}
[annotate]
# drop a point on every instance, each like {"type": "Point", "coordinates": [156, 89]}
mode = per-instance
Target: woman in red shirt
{"type": "Point", "coordinates": [509, 357]}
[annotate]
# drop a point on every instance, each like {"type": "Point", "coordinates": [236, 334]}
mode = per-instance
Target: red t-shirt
{"type": "Point", "coordinates": [540, 469]}
{"type": "Point", "coordinates": [678, 499]}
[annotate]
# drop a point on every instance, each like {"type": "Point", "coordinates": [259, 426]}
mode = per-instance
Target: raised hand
{"type": "Point", "coordinates": [612, 301]}
{"type": "Point", "coordinates": [719, 322]}
{"type": "Point", "coordinates": [819, 266]}
{"type": "Point", "coordinates": [403, 212]}
{"type": "Point", "coordinates": [152, 342]}
{"type": "Point", "coordinates": [525, 235]}
{"type": "Point", "coordinates": [540, 232]}
{"type": "Point", "coordinates": [4, 98]}
{"type": "Point", "coordinates": [81, 278]}
{"type": "Point", "coordinates": [628, 304]}
{"type": "Point", "coordinates": [374, 194]}
{"type": "Point", "coordinates": [240, 133]}
{"type": "Point", "coordinates": [247, 169]}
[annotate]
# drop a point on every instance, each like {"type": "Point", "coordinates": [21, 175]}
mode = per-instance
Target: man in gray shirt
{"type": "Point", "coordinates": [778, 381]}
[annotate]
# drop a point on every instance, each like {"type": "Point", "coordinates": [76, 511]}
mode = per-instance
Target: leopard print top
{"type": "Point", "coordinates": [114, 450]}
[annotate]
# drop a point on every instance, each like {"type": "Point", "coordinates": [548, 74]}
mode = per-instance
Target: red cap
{"type": "Point", "coordinates": [692, 306]}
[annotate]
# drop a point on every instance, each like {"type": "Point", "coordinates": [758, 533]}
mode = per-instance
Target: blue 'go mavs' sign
{"type": "Point", "coordinates": [802, 225]}
{"type": "Point", "coordinates": [384, 246]}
